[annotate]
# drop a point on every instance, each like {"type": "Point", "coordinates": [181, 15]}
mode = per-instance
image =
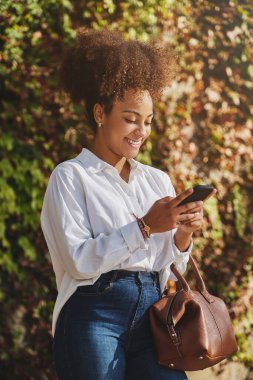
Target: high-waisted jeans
{"type": "Point", "coordinates": [103, 332]}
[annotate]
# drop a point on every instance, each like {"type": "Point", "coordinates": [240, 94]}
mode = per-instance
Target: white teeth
{"type": "Point", "coordinates": [134, 142]}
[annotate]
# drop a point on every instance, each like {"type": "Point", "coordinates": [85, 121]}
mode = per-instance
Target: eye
{"type": "Point", "coordinates": [130, 121]}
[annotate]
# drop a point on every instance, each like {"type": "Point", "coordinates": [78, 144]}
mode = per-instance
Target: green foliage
{"type": "Point", "coordinates": [240, 209]}
{"type": "Point", "coordinates": [202, 134]}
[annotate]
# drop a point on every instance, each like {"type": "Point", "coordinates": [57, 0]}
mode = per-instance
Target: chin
{"type": "Point", "coordinates": [131, 155]}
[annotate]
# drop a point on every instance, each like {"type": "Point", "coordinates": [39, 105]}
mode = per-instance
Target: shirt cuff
{"type": "Point", "coordinates": [133, 237]}
{"type": "Point", "coordinates": [179, 255]}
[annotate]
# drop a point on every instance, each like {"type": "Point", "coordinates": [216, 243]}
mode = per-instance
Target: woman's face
{"type": "Point", "coordinates": [127, 126]}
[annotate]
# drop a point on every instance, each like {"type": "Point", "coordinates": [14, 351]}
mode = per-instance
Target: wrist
{"type": "Point", "coordinates": [184, 234]}
{"type": "Point", "coordinates": [183, 239]}
{"type": "Point", "coordinates": [144, 227]}
{"type": "Point", "coordinates": [148, 221]}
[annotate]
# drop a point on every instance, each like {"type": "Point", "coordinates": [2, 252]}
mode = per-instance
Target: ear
{"type": "Point", "coordinates": [98, 111]}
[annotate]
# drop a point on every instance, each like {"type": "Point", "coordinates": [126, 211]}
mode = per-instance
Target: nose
{"type": "Point", "coordinates": [141, 130]}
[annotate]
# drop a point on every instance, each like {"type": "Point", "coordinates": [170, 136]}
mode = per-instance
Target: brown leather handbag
{"type": "Point", "coordinates": [191, 328]}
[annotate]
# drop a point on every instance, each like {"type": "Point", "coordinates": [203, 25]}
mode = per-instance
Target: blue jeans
{"type": "Point", "coordinates": [103, 332]}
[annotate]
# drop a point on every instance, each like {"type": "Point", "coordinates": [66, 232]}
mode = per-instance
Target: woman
{"type": "Point", "coordinates": [112, 224]}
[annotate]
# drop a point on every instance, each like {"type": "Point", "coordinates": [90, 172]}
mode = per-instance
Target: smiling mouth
{"type": "Point", "coordinates": [134, 143]}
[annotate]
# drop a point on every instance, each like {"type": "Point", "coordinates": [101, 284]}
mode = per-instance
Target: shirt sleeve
{"type": "Point", "coordinates": [179, 258]}
{"type": "Point", "coordinates": [65, 225]}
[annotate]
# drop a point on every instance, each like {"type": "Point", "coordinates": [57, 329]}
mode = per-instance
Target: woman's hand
{"type": "Point", "coordinates": [166, 214]}
{"type": "Point", "coordinates": [195, 222]}
{"type": "Point", "coordinates": [183, 235]}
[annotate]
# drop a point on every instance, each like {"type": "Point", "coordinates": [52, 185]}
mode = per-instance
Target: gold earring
{"type": "Point", "coordinates": [99, 125]}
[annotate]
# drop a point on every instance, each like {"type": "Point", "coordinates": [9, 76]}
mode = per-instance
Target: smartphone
{"type": "Point", "coordinates": [200, 193]}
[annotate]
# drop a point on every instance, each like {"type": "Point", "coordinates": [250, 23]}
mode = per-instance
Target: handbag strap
{"type": "Point", "coordinates": [199, 280]}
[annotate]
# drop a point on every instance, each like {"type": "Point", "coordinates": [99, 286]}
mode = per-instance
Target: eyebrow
{"type": "Point", "coordinates": [137, 113]}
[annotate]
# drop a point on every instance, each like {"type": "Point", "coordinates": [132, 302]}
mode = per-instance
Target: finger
{"type": "Point", "coordinates": [189, 217]}
{"type": "Point", "coordinates": [195, 224]}
{"type": "Point", "coordinates": [182, 196]}
{"type": "Point", "coordinates": [198, 217]}
{"type": "Point", "coordinates": [192, 221]}
{"type": "Point", "coordinates": [189, 207]}
{"type": "Point", "coordinates": [199, 208]}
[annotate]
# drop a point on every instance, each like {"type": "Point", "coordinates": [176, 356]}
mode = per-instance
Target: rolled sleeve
{"type": "Point", "coordinates": [180, 258]}
{"type": "Point", "coordinates": [133, 237]}
{"type": "Point", "coordinates": [179, 255]}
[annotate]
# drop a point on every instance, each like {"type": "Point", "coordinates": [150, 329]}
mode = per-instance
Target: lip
{"type": "Point", "coordinates": [137, 145]}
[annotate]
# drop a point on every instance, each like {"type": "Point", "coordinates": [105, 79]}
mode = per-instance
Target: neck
{"type": "Point", "coordinates": [118, 162]}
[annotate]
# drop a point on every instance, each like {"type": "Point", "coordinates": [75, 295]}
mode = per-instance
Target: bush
{"type": "Point", "coordinates": [202, 133]}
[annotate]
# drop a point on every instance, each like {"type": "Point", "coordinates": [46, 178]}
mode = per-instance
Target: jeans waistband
{"type": "Point", "coordinates": [141, 275]}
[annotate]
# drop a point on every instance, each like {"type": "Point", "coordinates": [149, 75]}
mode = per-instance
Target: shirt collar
{"type": "Point", "coordinates": [95, 164]}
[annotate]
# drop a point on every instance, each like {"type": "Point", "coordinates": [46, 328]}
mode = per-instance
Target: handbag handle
{"type": "Point", "coordinates": [199, 280]}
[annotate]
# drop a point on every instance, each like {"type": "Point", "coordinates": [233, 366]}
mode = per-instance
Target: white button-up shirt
{"type": "Point", "coordinates": [88, 223]}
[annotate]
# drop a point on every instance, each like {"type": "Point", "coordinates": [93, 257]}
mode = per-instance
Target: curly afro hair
{"type": "Point", "coordinates": [102, 65]}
